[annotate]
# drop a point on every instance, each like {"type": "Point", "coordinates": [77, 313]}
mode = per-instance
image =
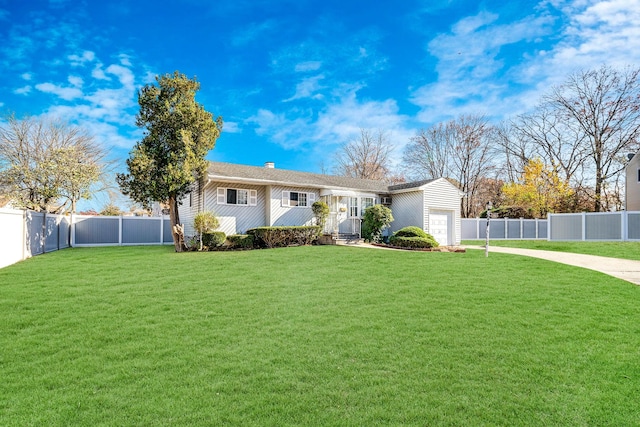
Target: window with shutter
{"type": "Point", "coordinates": [221, 196]}
{"type": "Point", "coordinates": [285, 198]}
{"type": "Point", "coordinates": [253, 197]}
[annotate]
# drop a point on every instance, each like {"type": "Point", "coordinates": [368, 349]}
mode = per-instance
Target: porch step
{"type": "Point", "coordinates": [347, 239]}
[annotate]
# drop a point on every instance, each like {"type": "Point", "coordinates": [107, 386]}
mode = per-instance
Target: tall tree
{"type": "Point", "coordinates": [178, 134]}
{"type": "Point", "coordinates": [599, 114]}
{"type": "Point", "coordinates": [48, 165]}
{"type": "Point", "coordinates": [458, 150]}
{"type": "Point", "coordinates": [368, 157]}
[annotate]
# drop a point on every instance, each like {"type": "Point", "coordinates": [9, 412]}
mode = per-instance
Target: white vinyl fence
{"type": "Point", "coordinates": [503, 228]}
{"type": "Point", "coordinates": [594, 226]}
{"type": "Point", "coordinates": [27, 233]}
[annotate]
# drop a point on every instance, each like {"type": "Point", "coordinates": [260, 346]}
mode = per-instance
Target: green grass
{"type": "Point", "coordinates": [624, 250]}
{"type": "Point", "coordinates": [314, 336]}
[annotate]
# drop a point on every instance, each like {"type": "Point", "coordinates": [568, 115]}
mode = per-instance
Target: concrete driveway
{"type": "Point", "coordinates": [621, 268]}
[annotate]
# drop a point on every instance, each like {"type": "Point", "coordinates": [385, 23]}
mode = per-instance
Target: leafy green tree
{"type": "Point", "coordinates": [178, 134]}
{"type": "Point", "coordinates": [376, 218]}
{"type": "Point", "coordinates": [205, 222]}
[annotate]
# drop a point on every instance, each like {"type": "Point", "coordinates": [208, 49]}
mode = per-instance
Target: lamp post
{"type": "Point", "coordinates": [486, 243]}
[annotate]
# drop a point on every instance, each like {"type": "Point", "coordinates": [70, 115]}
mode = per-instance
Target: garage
{"type": "Point", "coordinates": [439, 226]}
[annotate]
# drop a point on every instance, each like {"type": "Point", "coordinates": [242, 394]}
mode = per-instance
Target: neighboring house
{"type": "Point", "coordinates": [632, 183]}
{"type": "Point", "coordinates": [245, 197]}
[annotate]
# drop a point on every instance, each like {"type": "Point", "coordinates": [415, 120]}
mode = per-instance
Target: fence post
{"type": "Point", "coordinates": [549, 232]}
{"type": "Point", "coordinates": [120, 230]}
{"type": "Point", "coordinates": [624, 224]}
{"type": "Point", "coordinates": [72, 231]}
{"type": "Point", "coordinates": [584, 226]}
{"type": "Point", "coordinates": [24, 234]}
{"type": "Point", "coordinates": [161, 228]}
{"type": "Point", "coordinates": [521, 228]}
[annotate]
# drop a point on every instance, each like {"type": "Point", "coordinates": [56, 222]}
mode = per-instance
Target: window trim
{"type": "Point", "coordinates": [286, 199]}
{"type": "Point", "coordinates": [252, 196]}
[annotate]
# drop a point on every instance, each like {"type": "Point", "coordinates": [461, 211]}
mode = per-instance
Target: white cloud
{"type": "Point", "coordinates": [308, 88]}
{"type": "Point", "coordinates": [231, 127]}
{"type": "Point", "coordinates": [307, 66]}
{"type": "Point", "coordinates": [124, 75]}
{"type": "Point", "coordinates": [25, 90]}
{"type": "Point", "coordinates": [66, 93]}
{"type": "Point", "coordinates": [76, 81]}
{"type": "Point", "coordinates": [80, 60]}
{"type": "Point", "coordinates": [337, 123]}
{"type": "Point", "coordinates": [26, 76]}
{"type": "Point", "coordinates": [473, 78]}
{"type": "Point", "coordinates": [98, 73]}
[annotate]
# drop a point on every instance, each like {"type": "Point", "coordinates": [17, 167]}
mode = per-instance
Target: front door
{"type": "Point", "coordinates": [439, 222]}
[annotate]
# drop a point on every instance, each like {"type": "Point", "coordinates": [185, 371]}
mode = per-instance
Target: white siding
{"type": "Point", "coordinates": [632, 190]}
{"type": "Point", "coordinates": [441, 195]}
{"type": "Point", "coordinates": [285, 215]}
{"type": "Point", "coordinates": [407, 209]}
{"type": "Point", "coordinates": [191, 205]}
{"type": "Point", "coordinates": [246, 216]}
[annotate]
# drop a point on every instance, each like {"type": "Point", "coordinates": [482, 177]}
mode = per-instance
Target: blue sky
{"type": "Point", "coordinates": [294, 80]}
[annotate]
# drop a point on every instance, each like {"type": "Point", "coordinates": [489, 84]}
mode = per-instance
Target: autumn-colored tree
{"type": "Point", "coordinates": [178, 134]}
{"type": "Point", "coordinates": [540, 190]}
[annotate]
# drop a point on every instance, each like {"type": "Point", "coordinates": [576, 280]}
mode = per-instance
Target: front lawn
{"type": "Point", "coordinates": [314, 336]}
{"type": "Point", "coordinates": [624, 250]}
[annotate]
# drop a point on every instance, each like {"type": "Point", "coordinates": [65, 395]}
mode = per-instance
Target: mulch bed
{"type": "Point", "coordinates": [456, 249]}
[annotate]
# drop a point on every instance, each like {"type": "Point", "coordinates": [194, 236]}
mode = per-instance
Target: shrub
{"type": "Point", "coordinates": [412, 242]}
{"type": "Point", "coordinates": [413, 237]}
{"type": "Point", "coordinates": [205, 222]}
{"type": "Point", "coordinates": [376, 218]}
{"type": "Point", "coordinates": [273, 237]}
{"type": "Point", "coordinates": [213, 239]}
{"type": "Point", "coordinates": [411, 231]}
{"type": "Point", "coordinates": [240, 241]}
{"type": "Point", "coordinates": [321, 213]}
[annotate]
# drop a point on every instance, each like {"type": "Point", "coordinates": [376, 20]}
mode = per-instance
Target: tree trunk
{"type": "Point", "coordinates": [175, 221]}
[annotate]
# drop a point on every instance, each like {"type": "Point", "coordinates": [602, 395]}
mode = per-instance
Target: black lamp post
{"type": "Point", "coordinates": [486, 243]}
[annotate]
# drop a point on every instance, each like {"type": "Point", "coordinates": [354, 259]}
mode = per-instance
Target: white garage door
{"type": "Point", "coordinates": [439, 227]}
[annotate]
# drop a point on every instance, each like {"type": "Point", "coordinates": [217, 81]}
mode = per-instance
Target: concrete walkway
{"type": "Point", "coordinates": [621, 268]}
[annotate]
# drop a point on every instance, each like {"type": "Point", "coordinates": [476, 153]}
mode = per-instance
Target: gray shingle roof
{"type": "Point", "coordinates": [230, 171]}
{"type": "Point", "coordinates": [414, 184]}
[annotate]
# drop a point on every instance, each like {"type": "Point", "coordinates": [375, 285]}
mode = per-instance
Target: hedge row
{"type": "Point", "coordinates": [274, 237]}
{"type": "Point", "coordinates": [240, 241]}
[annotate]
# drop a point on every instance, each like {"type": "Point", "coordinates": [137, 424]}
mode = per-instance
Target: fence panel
{"type": "Point", "coordinates": [530, 229]}
{"type": "Point", "coordinates": [12, 230]}
{"type": "Point", "coordinates": [167, 234]}
{"type": "Point", "coordinates": [95, 230]}
{"type": "Point", "coordinates": [594, 226]}
{"type": "Point", "coordinates": [603, 226]}
{"type": "Point", "coordinates": [504, 228]}
{"type": "Point", "coordinates": [141, 230]}
{"type": "Point", "coordinates": [633, 225]}
{"type": "Point", "coordinates": [565, 227]}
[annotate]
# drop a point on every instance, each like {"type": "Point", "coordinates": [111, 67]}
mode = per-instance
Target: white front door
{"type": "Point", "coordinates": [439, 226]}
